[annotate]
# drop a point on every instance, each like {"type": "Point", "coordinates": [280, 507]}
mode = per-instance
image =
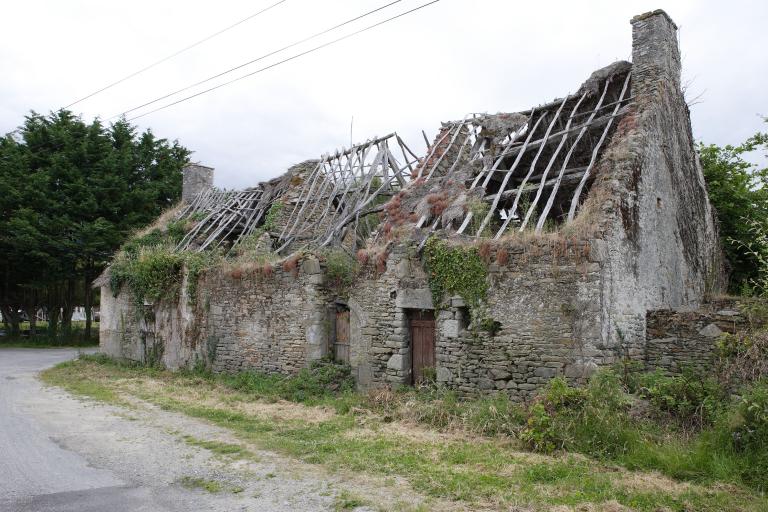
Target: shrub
{"type": "Point", "coordinates": [132, 247]}
{"type": "Point", "coordinates": [381, 261]}
{"type": "Point", "coordinates": [362, 257]}
{"type": "Point", "coordinates": [502, 256]}
{"type": "Point", "coordinates": [540, 434]}
{"type": "Point", "coordinates": [750, 431]}
{"type": "Point", "coordinates": [292, 265]}
{"type": "Point", "coordinates": [153, 274]}
{"type": "Point", "coordinates": [484, 251]}
{"type": "Point", "coordinates": [176, 230]}
{"type": "Point", "coordinates": [591, 420]}
{"type": "Point", "coordinates": [324, 378]}
{"type": "Point", "coordinates": [742, 358]}
{"type": "Point", "coordinates": [558, 395]}
{"type": "Point", "coordinates": [340, 269]}
{"type": "Point", "coordinates": [694, 400]}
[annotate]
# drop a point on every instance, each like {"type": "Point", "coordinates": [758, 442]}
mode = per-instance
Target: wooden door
{"type": "Point", "coordinates": [422, 343]}
{"type": "Point", "coordinates": [341, 343]}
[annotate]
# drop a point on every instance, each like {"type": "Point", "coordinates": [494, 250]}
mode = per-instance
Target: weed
{"type": "Point", "coordinates": [193, 482]}
{"type": "Point", "coordinates": [502, 256]}
{"type": "Point", "coordinates": [347, 501]}
{"type": "Point", "coordinates": [340, 270]}
{"type": "Point", "coordinates": [362, 257]}
{"type": "Point", "coordinates": [219, 447]}
{"type": "Point", "coordinates": [692, 399]}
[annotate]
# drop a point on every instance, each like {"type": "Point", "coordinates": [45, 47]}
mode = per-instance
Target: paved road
{"type": "Point", "coordinates": [35, 472]}
{"type": "Point", "coordinates": [60, 454]}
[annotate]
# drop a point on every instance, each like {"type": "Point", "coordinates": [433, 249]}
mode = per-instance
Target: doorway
{"type": "Point", "coordinates": [422, 331]}
{"type": "Point", "coordinates": [341, 341]}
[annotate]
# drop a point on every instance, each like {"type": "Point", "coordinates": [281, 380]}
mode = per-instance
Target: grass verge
{"type": "Point", "coordinates": [338, 432]}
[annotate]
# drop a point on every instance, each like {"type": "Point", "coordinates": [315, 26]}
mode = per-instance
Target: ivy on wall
{"type": "Point", "coordinates": [455, 270]}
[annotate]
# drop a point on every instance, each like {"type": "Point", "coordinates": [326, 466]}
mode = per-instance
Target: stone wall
{"type": "Point", "coordinates": [242, 319]}
{"type": "Point", "coordinates": [656, 226]}
{"type": "Point", "coordinates": [391, 283]}
{"type": "Point", "coordinates": [272, 323]}
{"type": "Point", "coordinates": [687, 339]}
{"type": "Point", "coordinates": [546, 300]}
{"type": "Point", "coordinates": [148, 333]}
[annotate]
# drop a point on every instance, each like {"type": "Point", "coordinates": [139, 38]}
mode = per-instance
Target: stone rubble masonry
{"type": "Point", "coordinates": [679, 339]}
{"type": "Point", "coordinates": [656, 227]}
{"type": "Point", "coordinates": [242, 320]}
{"type": "Point", "coordinates": [629, 286]}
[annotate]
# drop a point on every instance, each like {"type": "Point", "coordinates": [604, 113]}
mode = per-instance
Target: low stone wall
{"type": "Point", "coordinates": [687, 339]}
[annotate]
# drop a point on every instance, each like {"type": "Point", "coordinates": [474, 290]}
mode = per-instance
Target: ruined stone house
{"type": "Point", "coordinates": [588, 214]}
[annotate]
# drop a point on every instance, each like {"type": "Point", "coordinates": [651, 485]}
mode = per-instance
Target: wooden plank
{"type": "Point", "coordinates": [531, 169]}
{"type": "Point", "coordinates": [556, 186]}
{"type": "Point", "coordinates": [508, 175]}
{"type": "Point", "coordinates": [532, 208]}
{"type": "Point", "coordinates": [445, 152]}
{"type": "Point", "coordinates": [593, 159]}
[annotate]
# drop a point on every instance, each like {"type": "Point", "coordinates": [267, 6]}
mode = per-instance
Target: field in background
{"type": "Point", "coordinates": [42, 339]}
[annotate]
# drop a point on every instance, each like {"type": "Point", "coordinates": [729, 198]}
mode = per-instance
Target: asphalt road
{"type": "Point", "coordinates": [35, 472]}
{"type": "Point", "coordinates": [61, 454]}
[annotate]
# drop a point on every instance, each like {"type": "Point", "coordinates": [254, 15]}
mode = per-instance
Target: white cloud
{"type": "Point", "coordinates": [437, 64]}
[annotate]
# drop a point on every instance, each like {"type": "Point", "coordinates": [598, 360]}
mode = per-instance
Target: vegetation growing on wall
{"type": "Point", "coordinates": [251, 246]}
{"type": "Point", "coordinates": [340, 270]}
{"type": "Point", "coordinates": [152, 271]}
{"type": "Point", "coordinates": [153, 274]}
{"type": "Point", "coordinates": [455, 270]}
{"type": "Point", "coordinates": [459, 270]}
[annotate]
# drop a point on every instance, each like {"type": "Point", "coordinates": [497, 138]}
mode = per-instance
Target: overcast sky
{"type": "Point", "coordinates": [437, 64]}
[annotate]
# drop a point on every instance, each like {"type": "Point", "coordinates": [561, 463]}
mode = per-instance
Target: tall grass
{"type": "Point", "coordinates": [602, 420]}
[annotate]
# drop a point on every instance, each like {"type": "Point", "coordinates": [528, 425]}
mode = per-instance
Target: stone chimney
{"type": "Point", "coordinates": [655, 54]}
{"type": "Point", "coordinates": [196, 178]}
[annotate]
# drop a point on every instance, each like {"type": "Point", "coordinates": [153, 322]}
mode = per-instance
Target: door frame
{"type": "Point", "coordinates": [428, 320]}
{"type": "Point", "coordinates": [341, 308]}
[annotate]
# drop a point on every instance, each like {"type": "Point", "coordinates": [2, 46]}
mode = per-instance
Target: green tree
{"type": "Point", "coordinates": [70, 194]}
{"type": "Point", "coordinates": [738, 191]}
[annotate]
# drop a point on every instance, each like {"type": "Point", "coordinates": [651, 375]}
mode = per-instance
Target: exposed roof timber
{"type": "Point", "coordinates": [493, 157]}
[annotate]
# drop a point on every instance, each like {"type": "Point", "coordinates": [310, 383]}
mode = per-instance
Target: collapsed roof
{"type": "Point", "coordinates": [484, 176]}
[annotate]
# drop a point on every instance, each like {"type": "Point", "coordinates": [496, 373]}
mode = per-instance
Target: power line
{"type": "Point", "coordinates": [156, 63]}
{"type": "Point", "coordinates": [286, 60]}
{"type": "Point", "coordinates": [314, 36]}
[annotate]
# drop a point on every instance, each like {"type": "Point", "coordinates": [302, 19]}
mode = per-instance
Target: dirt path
{"type": "Point", "coordinates": [58, 453]}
